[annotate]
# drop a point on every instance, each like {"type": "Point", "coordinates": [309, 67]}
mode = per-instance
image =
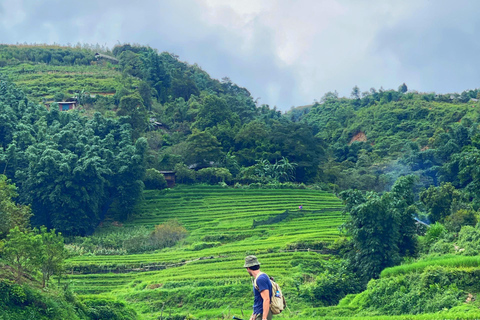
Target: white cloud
{"type": "Point", "coordinates": [286, 52]}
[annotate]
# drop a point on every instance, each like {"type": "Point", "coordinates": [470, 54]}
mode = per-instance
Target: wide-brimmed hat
{"type": "Point", "coordinates": [251, 261]}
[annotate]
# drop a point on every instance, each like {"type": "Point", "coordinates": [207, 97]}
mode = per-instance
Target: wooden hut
{"type": "Point", "coordinates": [170, 177]}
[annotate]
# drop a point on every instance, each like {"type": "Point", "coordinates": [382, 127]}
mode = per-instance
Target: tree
{"type": "Point", "coordinates": [154, 180]}
{"type": "Point", "coordinates": [23, 251]}
{"type": "Point", "coordinates": [213, 111]}
{"type": "Point", "coordinates": [183, 174]}
{"type": "Point", "coordinates": [54, 254]}
{"type": "Point", "coordinates": [214, 175]}
{"type": "Point", "coordinates": [380, 227]}
{"type": "Point", "coordinates": [132, 106]}
{"type": "Point", "coordinates": [11, 215]}
{"type": "Point", "coordinates": [374, 230]}
{"type": "Point", "coordinates": [439, 200]}
{"type": "Point", "coordinates": [131, 63]}
{"type": "Point", "coordinates": [402, 88]}
{"type": "Point", "coordinates": [146, 93]}
{"type": "Point", "coordinates": [355, 93]}
{"type": "Point", "coordinates": [203, 148]}
{"type": "Point", "coordinates": [168, 233]}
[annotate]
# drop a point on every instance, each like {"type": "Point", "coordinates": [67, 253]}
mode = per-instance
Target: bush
{"type": "Point", "coordinates": [154, 180]}
{"type": "Point", "coordinates": [462, 217]}
{"type": "Point", "coordinates": [214, 175]}
{"type": "Point", "coordinates": [433, 234]}
{"type": "Point", "coordinates": [333, 284]}
{"type": "Point", "coordinates": [434, 289]}
{"type": "Point", "coordinates": [168, 234]}
{"type": "Point", "coordinates": [103, 309]}
{"type": "Point", "coordinates": [183, 174]}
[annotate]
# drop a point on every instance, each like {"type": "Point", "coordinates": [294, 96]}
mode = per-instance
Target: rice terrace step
{"type": "Point", "coordinates": [205, 274]}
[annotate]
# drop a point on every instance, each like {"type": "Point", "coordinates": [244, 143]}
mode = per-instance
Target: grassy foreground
{"type": "Point", "coordinates": [204, 276]}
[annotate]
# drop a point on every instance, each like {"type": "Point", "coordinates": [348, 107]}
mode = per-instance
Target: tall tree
{"type": "Point", "coordinates": [203, 148]}
{"type": "Point", "coordinates": [11, 214]}
{"type": "Point", "coordinates": [380, 227]}
{"type": "Point", "coordinates": [22, 250]}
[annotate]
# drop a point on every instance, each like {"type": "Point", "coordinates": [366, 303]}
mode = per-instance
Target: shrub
{"type": "Point", "coordinates": [462, 217]}
{"type": "Point", "coordinates": [214, 175]}
{"type": "Point", "coordinates": [154, 180]}
{"type": "Point", "coordinates": [108, 309]}
{"type": "Point", "coordinates": [168, 234]}
{"type": "Point", "coordinates": [183, 174]}
{"type": "Point", "coordinates": [333, 284]}
{"type": "Point", "coordinates": [432, 290]}
{"type": "Point", "coordinates": [434, 233]}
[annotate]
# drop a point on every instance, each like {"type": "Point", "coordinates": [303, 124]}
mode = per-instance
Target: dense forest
{"type": "Point", "coordinates": [399, 159]}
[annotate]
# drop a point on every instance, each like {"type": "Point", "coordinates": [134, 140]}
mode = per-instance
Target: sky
{"type": "Point", "coordinates": [285, 52]}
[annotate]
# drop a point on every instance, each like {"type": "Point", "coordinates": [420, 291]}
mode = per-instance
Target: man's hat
{"type": "Point", "coordinates": [251, 261]}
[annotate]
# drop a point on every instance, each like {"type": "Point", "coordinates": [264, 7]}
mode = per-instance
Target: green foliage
{"type": "Point", "coordinates": [434, 233]}
{"type": "Point", "coordinates": [69, 168]}
{"type": "Point", "coordinates": [28, 253]}
{"type": "Point", "coordinates": [332, 284]}
{"type": "Point", "coordinates": [18, 302]}
{"type": "Point", "coordinates": [432, 290]}
{"type": "Point", "coordinates": [381, 227]}
{"type": "Point", "coordinates": [54, 254]}
{"type": "Point", "coordinates": [214, 111]}
{"type": "Point", "coordinates": [203, 149]}
{"type": "Point", "coordinates": [439, 201]}
{"type": "Point", "coordinates": [11, 214]}
{"type": "Point", "coordinates": [168, 234]}
{"type": "Point", "coordinates": [183, 174]}
{"type": "Point", "coordinates": [23, 252]}
{"type": "Point", "coordinates": [154, 180]}
{"type": "Point", "coordinates": [132, 107]}
{"type": "Point", "coordinates": [99, 309]}
{"type": "Point", "coordinates": [122, 241]}
{"type": "Point", "coordinates": [468, 242]}
{"type": "Point", "coordinates": [214, 175]}
{"type": "Point", "coordinates": [457, 220]}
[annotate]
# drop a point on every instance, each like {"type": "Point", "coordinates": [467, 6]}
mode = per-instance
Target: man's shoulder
{"type": "Point", "coordinates": [263, 277]}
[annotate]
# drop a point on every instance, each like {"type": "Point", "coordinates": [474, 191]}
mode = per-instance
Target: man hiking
{"type": "Point", "coordinates": [262, 290]}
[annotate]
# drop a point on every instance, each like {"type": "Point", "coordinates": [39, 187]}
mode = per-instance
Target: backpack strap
{"type": "Point", "coordinates": [254, 281]}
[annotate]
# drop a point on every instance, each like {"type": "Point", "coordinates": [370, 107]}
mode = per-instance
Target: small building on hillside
{"type": "Point", "coordinates": [67, 105]}
{"type": "Point", "coordinates": [170, 177]}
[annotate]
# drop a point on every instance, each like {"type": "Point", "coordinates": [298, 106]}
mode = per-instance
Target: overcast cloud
{"type": "Point", "coordinates": [287, 53]}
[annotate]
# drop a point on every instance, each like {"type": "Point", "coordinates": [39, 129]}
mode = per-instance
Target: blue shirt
{"type": "Point", "coordinates": [263, 283]}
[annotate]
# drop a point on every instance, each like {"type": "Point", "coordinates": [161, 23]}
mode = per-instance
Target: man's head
{"type": "Point", "coordinates": [252, 264]}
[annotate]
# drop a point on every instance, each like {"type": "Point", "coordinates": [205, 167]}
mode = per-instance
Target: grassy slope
{"type": "Point", "coordinates": [211, 281]}
{"type": "Point", "coordinates": [43, 81]}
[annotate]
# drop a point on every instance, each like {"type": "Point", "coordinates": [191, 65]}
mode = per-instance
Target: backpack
{"type": "Point", "coordinates": [277, 303]}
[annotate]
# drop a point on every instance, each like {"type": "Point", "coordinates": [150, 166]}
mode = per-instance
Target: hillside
{"type": "Point", "coordinates": [204, 276]}
{"type": "Point", "coordinates": [388, 182]}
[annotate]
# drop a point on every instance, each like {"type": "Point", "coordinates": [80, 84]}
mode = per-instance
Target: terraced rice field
{"type": "Point", "coordinates": [43, 81]}
{"type": "Point", "coordinates": [204, 276]}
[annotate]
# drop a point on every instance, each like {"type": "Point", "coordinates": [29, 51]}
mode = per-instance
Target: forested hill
{"type": "Point", "coordinates": [213, 131]}
{"type": "Point", "coordinates": [391, 155]}
{"type": "Point", "coordinates": [374, 139]}
{"type": "Point", "coordinates": [148, 111]}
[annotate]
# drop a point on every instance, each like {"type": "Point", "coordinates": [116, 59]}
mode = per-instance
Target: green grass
{"type": "Point", "coordinates": [204, 281]}
{"type": "Point", "coordinates": [451, 261]}
{"type": "Point", "coordinates": [210, 282]}
{"type": "Point", "coordinates": [43, 81]}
